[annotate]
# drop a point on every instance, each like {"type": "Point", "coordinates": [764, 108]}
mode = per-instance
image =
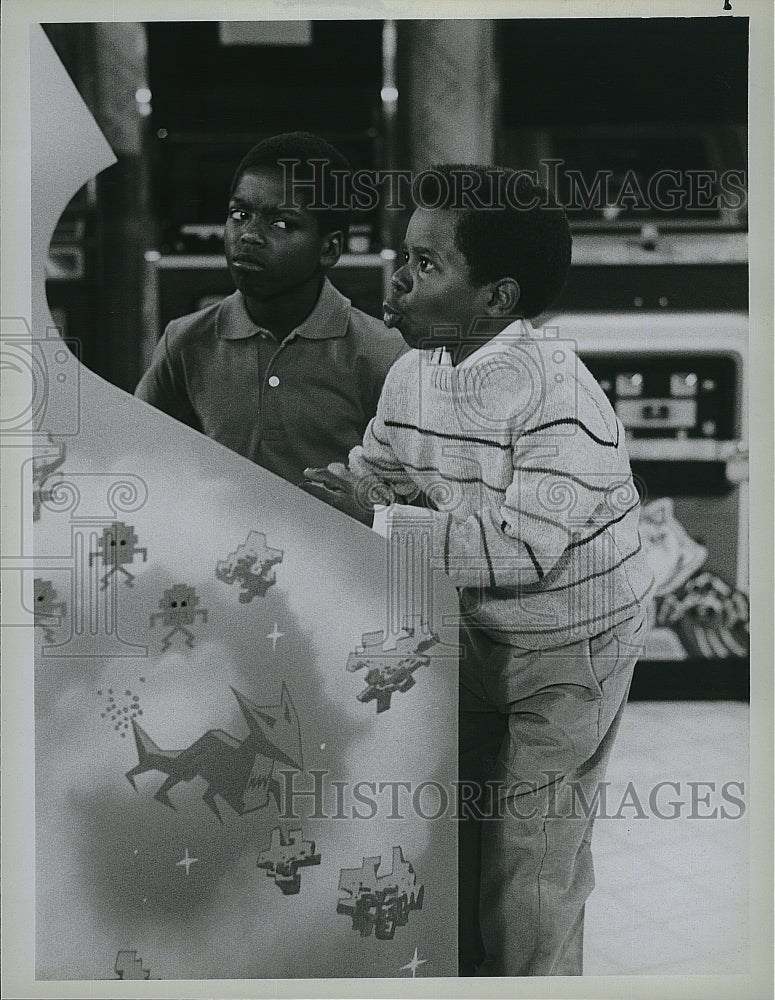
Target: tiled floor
{"type": "Point", "coordinates": [672, 894]}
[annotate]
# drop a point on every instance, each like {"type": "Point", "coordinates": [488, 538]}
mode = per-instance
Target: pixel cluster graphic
{"type": "Point", "coordinates": [252, 566]}
{"type": "Point", "coordinates": [129, 966]}
{"type": "Point", "coordinates": [284, 856]}
{"type": "Point", "coordinates": [380, 903]}
{"type": "Point", "coordinates": [389, 669]}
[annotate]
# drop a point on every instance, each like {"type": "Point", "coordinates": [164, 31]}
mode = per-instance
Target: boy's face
{"type": "Point", "coordinates": [432, 289]}
{"type": "Point", "coordinates": [269, 250]}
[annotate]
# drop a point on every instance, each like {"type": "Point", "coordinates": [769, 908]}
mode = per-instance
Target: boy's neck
{"type": "Point", "coordinates": [283, 313]}
{"type": "Point", "coordinates": [484, 333]}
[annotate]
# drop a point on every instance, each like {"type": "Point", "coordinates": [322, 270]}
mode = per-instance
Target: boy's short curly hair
{"type": "Point", "coordinates": [508, 226]}
{"type": "Point", "coordinates": [325, 183]}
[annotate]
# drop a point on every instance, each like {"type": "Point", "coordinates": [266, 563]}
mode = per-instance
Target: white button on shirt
{"type": "Point", "coordinates": [274, 381]}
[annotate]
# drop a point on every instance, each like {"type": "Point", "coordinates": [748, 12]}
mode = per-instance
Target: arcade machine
{"type": "Point", "coordinates": [657, 304]}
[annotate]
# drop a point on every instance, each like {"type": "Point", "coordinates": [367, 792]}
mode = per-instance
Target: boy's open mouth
{"type": "Point", "coordinates": [390, 315]}
{"type": "Point", "coordinates": [249, 263]}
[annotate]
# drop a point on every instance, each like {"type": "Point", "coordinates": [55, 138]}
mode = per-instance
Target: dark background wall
{"type": "Point", "coordinates": [559, 78]}
{"type": "Point", "coordinates": [624, 71]}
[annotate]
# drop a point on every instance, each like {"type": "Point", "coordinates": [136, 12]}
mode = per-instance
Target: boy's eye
{"type": "Point", "coordinates": [237, 214]}
{"type": "Point", "coordinates": [280, 223]}
{"type": "Point", "coordinates": [425, 264]}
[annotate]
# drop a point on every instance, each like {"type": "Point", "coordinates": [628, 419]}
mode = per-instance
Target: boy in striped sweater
{"type": "Point", "coordinates": [534, 517]}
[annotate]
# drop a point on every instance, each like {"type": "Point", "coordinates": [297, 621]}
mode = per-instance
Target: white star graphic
{"type": "Point", "coordinates": [274, 635]}
{"type": "Point", "coordinates": [414, 964]}
{"type": "Point", "coordinates": [186, 861]}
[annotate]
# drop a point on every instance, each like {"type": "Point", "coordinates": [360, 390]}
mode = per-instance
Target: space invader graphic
{"type": "Point", "coordinates": [380, 903]}
{"type": "Point", "coordinates": [129, 966]}
{"type": "Point", "coordinates": [117, 549]}
{"type": "Point", "coordinates": [178, 609]}
{"type": "Point", "coordinates": [47, 606]}
{"type": "Point", "coordinates": [251, 565]}
{"type": "Point", "coordinates": [284, 856]}
{"type": "Point", "coordinates": [390, 670]}
{"type": "Point", "coordinates": [43, 467]}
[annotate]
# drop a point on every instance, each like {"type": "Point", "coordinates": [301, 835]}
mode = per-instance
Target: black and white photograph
{"type": "Point", "coordinates": [387, 463]}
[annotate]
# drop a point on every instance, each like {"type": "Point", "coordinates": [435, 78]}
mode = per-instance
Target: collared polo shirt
{"type": "Point", "coordinates": [285, 405]}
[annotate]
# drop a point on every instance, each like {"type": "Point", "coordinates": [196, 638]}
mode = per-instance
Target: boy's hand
{"type": "Point", "coordinates": [335, 484]}
{"type": "Point", "coordinates": [341, 488]}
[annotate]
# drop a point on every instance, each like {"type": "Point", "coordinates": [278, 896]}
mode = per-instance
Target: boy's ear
{"type": "Point", "coordinates": [504, 297]}
{"type": "Point", "coordinates": [331, 249]}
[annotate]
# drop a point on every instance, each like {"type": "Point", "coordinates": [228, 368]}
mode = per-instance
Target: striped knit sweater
{"type": "Point", "coordinates": [521, 455]}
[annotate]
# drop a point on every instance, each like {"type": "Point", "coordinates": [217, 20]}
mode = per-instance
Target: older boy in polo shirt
{"type": "Point", "coordinates": [536, 522]}
{"type": "Point", "coordinates": [284, 371]}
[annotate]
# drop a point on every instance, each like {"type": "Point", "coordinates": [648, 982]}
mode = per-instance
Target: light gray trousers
{"type": "Point", "coordinates": [536, 732]}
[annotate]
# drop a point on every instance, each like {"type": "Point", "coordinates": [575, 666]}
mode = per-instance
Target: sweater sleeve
{"type": "Point", "coordinates": [382, 360]}
{"type": "Point", "coordinates": [546, 511]}
{"type": "Point", "coordinates": [163, 385]}
{"type": "Point", "coordinates": [375, 459]}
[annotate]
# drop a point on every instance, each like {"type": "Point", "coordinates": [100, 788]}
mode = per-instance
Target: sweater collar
{"type": "Point", "coordinates": [519, 329]}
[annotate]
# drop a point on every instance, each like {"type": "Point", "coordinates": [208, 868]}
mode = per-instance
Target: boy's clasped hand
{"type": "Point", "coordinates": [341, 488]}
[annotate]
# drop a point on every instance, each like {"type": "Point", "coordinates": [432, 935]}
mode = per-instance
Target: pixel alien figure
{"type": "Point", "coordinates": [380, 903]}
{"type": "Point", "coordinates": [240, 771]}
{"type": "Point", "coordinates": [390, 670]}
{"type": "Point", "coordinates": [42, 469]}
{"type": "Point", "coordinates": [284, 856]}
{"type": "Point", "coordinates": [252, 566]}
{"type": "Point", "coordinates": [117, 549]}
{"type": "Point", "coordinates": [129, 966]}
{"type": "Point", "coordinates": [47, 607]}
{"type": "Point", "coordinates": [178, 609]}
